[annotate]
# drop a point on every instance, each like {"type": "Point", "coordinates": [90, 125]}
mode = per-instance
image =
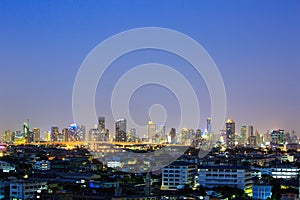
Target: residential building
{"type": "Point", "coordinates": [178, 174]}
{"type": "Point", "coordinates": [232, 176]}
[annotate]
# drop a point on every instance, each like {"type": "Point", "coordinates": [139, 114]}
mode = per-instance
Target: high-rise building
{"type": "Point", "coordinates": [101, 123]}
{"type": "Point", "coordinates": [65, 135]}
{"type": "Point", "coordinates": [277, 137]}
{"type": "Point", "coordinates": [121, 127]}
{"type": "Point", "coordinates": [243, 135]}
{"type": "Point", "coordinates": [30, 137]}
{"type": "Point", "coordinates": [36, 135]}
{"type": "Point", "coordinates": [25, 130]}
{"type": "Point", "coordinates": [8, 136]}
{"type": "Point", "coordinates": [76, 132]}
{"type": "Point", "coordinates": [151, 130]}
{"type": "Point", "coordinates": [208, 125]}
{"type": "Point", "coordinates": [54, 133]}
{"type": "Point", "coordinates": [230, 133]}
{"type": "Point", "coordinates": [184, 136]}
{"type": "Point", "coordinates": [172, 135]}
{"type": "Point", "coordinates": [250, 131]}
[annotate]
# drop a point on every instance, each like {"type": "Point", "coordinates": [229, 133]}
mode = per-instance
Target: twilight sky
{"type": "Point", "coordinates": [255, 44]}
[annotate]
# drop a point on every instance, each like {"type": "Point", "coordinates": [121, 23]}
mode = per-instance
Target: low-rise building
{"type": "Point", "coordinates": [261, 191]}
{"type": "Point", "coordinates": [232, 176]}
{"type": "Point", "coordinates": [42, 165]}
{"type": "Point", "coordinates": [178, 174]}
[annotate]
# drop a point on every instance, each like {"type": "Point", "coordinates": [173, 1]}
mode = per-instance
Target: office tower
{"type": "Point", "coordinates": [243, 135]}
{"type": "Point", "coordinates": [184, 136]}
{"type": "Point", "coordinates": [36, 135]}
{"type": "Point", "coordinates": [277, 137]}
{"type": "Point", "coordinates": [172, 135]}
{"type": "Point", "coordinates": [25, 130]}
{"type": "Point", "coordinates": [121, 130]}
{"type": "Point", "coordinates": [230, 133]}
{"type": "Point", "coordinates": [48, 136]}
{"type": "Point", "coordinates": [151, 130]}
{"type": "Point", "coordinates": [30, 137]}
{"type": "Point", "coordinates": [65, 136]}
{"type": "Point", "coordinates": [101, 123]}
{"type": "Point", "coordinates": [93, 135]}
{"type": "Point", "coordinates": [76, 132]}
{"type": "Point", "coordinates": [8, 136]}
{"type": "Point", "coordinates": [54, 133]}
{"type": "Point", "coordinates": [208, 125]}
{"type": "Point", "coordinates": [250, 131]}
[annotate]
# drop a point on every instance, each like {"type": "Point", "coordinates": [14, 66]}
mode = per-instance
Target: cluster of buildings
{"type": "Point", "coordinates": [258, 166]}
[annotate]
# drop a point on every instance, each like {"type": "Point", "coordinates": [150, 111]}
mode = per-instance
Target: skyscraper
{"type": "Point", "coordinates": [250, 131]}
{"type": "Point", "coordinates": [243, 135]}
{"type": "Point", "coordinates": [151, 130]}
{"type": "Point", "coordinates": [101, 123]}
{"type": "Point", "coordinates": [121, 130]}
{"type": "Point", "coordinates": [277, 137]}
{"type": "Point", "coordinates": [25, 130]}
{"type": "Point", "coordinates": [230, 133]}
{"type": "Point", "coordinates": [208, 128]}
{"type": "Point", "coordinates": [54, 133]}
{"type": "Point", "coordinates": [172, 135]}
{"type": "Point", "coordinates": [36, 135]}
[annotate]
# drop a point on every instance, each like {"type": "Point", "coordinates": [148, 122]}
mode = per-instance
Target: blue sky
{"type": "Point", "coordinates": [255, 45]}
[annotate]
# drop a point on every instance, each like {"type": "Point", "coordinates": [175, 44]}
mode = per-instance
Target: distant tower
{"type": "Point", "coordinates": [250, 131]}
{"type": "Point", "coordinates": [36, 135]}
{"type": "Point", "coordinates": [151, 130]}
{"type": "Point", "coordinates": [230, 133]}
{"type": "Point", "coordinates": [26, 129]}
{"type": "Point", "coordinates": [101, 123]}
{"type": "Point", "coordinates": [208, 125]}
{"type": "Point", "coordinates": [148, 185]}
{"type": "Point", "coordinates": [277, 137]}
{"type": "Point", "coordinates": [65, 135]}
{"type": "Point", "coordinates": [243, 135]}
{"type": "Point", "coordinates": [121, 127]}
{"type": "Point", "coordinates": [54, 133]}
{"type": "Point", "coordinates": [172, 135]}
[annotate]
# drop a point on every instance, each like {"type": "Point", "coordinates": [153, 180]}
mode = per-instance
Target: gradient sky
{"type": "Point", "coordinates": [255, 44]}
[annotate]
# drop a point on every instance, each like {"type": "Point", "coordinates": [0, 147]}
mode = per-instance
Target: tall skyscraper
{"type": "Point", "coordinates": [151, 130]}
{"type": "Point", "coordinates": [65, 134]}
{"type": "Point", "coordinates": [25, 130]}
{"type": "Point", "coordinates": [172, 135]}
{"type": "Point", "coordinates": [121, 127]}
{"type": "Point", "coordinates": [250, 131]}
{"type": "Point", "coordinates": [54, 133]}
{"type": "Point", "coordinates": [36, 135]}
{"type": "Point", "coordinates": [101, 123]}
{"type": "Point", "coordinates": [230, 133]}
{"type": "Point", "coordinates": [243, 135]}
{"type": "Point", "coordinates": [8, 136]}
{"type": "Point", "coordinates": [208, 125]}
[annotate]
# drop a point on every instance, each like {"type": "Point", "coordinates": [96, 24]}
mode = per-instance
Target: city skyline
{"type": "Point", "coordinates": [254, 44]}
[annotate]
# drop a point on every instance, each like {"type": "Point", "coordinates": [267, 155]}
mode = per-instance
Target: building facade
{"type": "Point", "coordinates": [178, 174]}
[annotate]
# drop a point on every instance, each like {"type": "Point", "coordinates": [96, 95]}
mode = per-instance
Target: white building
{"type": "Point", "coordinates": [20, 189]}
{"type": "Point", "coordinates": [277, 172]}
{"type": "Point", "coordinates": [178, 174]}
{"type": "Point", "coordinates": [285, 172]}
{"type": "Point", "coordinates": [232, 176]}
{"type": "Point", "coordinates": [42, 165]}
